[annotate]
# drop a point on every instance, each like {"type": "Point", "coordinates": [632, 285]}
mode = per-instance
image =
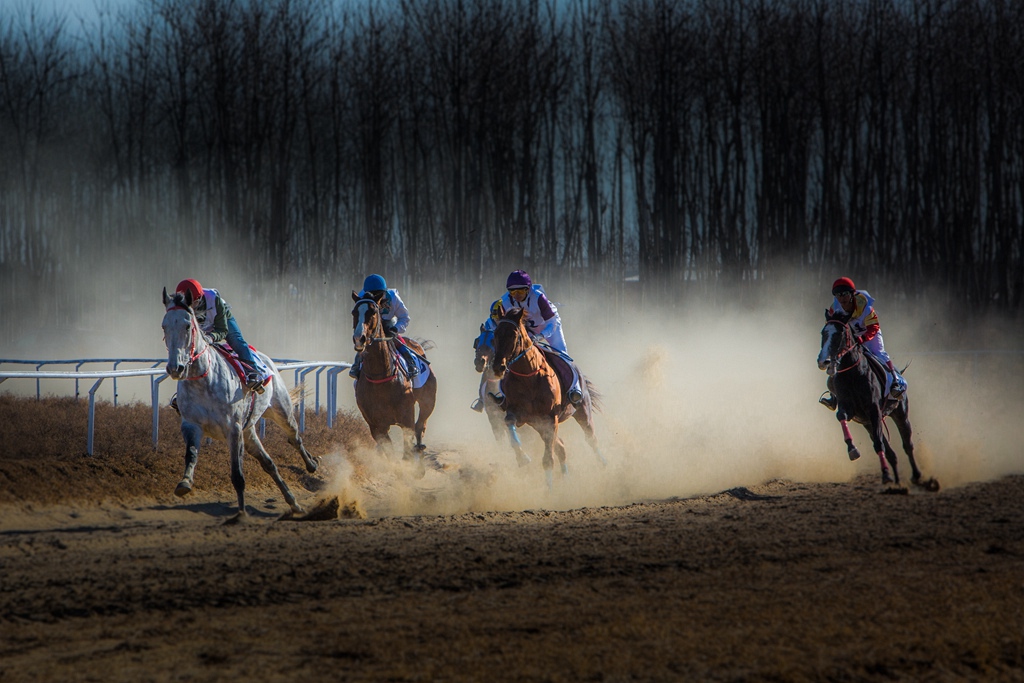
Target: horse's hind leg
{"type": "Point", "coordinates": [254, 447]}
{"type": "Point", "coordinates": [237, 454]}
{"type": "Point", "coordinates": [584, 417]}
{"type": "Point", "coordinates": [882, 448]}
{"type": "Point", "coordinates": [283, 414]}
{"type": "Point", "coordinates": [192, 435]}
{"type": "Point", "coordinates": [906, 435]}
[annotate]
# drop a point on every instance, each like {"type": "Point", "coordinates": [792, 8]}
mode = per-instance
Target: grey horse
{"type": "Point", "coordinates": [214, 402]}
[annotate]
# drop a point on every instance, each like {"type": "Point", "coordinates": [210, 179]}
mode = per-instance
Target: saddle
{"type": "Point", "coordinates": [240, 368]}
{"type": "Point", "coordinates": [886, 378]}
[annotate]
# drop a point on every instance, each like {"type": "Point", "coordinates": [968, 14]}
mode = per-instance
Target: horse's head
{"type": "Point", "coordinates": [484, 347]}
{"type": "Point", "coordinates": [510, 340]}
{"type": "Point", "coordinates": [366, 322]}
{"type": "Point", "coordinates": [836, 341]}
{"type": "Point", "coordinates": [181, 335]}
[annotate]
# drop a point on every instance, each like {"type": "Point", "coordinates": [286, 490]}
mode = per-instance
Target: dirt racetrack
{"type": "Point", "coordinates": [106, 576]}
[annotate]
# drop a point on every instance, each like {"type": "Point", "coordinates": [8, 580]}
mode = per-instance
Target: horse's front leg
{"type": "Point", "coordinates": [513, 436]}
{"type": "Point", "coordinates": [882, 448]}
{"type": "Point", "coordinates": [192, 434]}
{"type": "Point", "coordinates": [851, 450]}
{"type": "Point", "coordinates": [549, 433]}
{"type": "Point", "coordinates": [902, 419]}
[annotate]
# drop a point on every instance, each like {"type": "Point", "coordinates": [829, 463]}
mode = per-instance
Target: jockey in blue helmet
{"type": "Point", "coordinates": [395, 317]}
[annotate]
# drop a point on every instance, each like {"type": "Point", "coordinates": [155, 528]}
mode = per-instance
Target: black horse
{"type": "Point", "coordinates": [858, 381]}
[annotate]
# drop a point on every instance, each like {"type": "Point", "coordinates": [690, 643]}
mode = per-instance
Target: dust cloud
{"type": "Point", "coordinates": [694, 402]}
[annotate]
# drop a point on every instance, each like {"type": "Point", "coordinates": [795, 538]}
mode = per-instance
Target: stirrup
{"type": "Point", "coordinates": [254, 382]}
{"type": "Point", "coordinates": [829, 401]}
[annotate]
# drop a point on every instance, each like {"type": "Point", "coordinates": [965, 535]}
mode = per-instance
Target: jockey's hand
{"type": "Point", "coordinates": [389, 330]}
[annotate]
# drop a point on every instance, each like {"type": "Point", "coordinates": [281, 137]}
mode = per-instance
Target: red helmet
{"type": "Point", "coordinates": [191, 288]}
{"type": "Point", "coordinates": [843, 284]}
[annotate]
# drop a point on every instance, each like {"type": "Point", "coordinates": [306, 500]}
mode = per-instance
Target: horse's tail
{"type": "Point", "coordinates": [595, 395]}
{"type": "Point", "coordinates": [296, 392]}
{"type": "Point", "coordinates": [906, 366]}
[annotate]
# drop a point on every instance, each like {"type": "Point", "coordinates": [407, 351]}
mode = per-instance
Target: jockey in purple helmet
{"type": "Point", "coordinates": [395, 317]}
{"type": "Point", "coordinates": [542, 319]}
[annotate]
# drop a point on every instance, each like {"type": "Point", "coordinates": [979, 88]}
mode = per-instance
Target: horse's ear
{"type": "Point", "coordinates": [355, 297]}
{"type": "Point", "coordinates": [517, 315]}
{"type": "Point", "coordinates": [166, 300]}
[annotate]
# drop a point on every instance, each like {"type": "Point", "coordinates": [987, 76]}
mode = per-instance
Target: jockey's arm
{"type": "Point", "coordinates": [220, 321]}
{"type": "Point", "coordinates": [551, 320]}
{"type": "Point", "coordinates": [399, 312]}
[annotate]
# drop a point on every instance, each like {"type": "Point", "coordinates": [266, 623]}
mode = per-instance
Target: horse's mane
{"type": "Point", "coordinates": [179, 299]}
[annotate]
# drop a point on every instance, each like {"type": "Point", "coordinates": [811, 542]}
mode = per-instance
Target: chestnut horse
{"type": "Point", "coordinates": [533, 393]}
{"type": "Point", "coordinates": [384, 393]}
{"type": "Point", "coordinates": [858, 382]}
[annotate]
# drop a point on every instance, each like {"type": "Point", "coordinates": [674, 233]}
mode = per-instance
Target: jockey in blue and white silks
{"type": "Point", "coordinates": [542, 319]}
{"type": "Point", "coordinates": [394, 316]}
{"type": "Point", "coordinates": [216, 321]}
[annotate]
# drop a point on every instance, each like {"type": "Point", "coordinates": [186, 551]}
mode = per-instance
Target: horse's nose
{"type": "Point", "coordinates": [175, 371]}
{"type": "Point", "coordinates": [822, 364]}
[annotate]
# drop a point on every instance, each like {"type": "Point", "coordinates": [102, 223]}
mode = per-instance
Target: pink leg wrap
{"type": "Point", "coordinates": [881, 459]}
{"type": "Point", "coordinates": [846, 431]}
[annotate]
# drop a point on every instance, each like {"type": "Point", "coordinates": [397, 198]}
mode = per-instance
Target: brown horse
{"type": "Point", "coordinates": [484, 349]}
{"type": "Point", "coordinates": [385, 394]}
{"type": "Point", "coordinates": [533, 395]}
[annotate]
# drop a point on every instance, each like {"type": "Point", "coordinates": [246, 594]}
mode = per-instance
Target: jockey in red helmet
{"type": "Point", "coordinates": [859, 305]}
{"type": "Point", "coordinates": [218, 324]}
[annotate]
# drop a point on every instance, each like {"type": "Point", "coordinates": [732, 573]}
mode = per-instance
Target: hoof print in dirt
{"type": "Point", "coordinates": [328, 509]}
{"type": "Point", "coordinates": [896, 490]}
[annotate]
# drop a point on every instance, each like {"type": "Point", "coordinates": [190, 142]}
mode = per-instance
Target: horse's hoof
{"type": "Point", "coordinates": [313, 466]}
{"type": "Point", "coordinates": [421, 447]}
{"type": "Point", "coordinates": [854, 454]}
{"type": "Point", "coordinates": [183, 488]}
{"type": "Point", "coordinates": [931, 485]}
{"type": "Point", "coordinates": [886, 477]}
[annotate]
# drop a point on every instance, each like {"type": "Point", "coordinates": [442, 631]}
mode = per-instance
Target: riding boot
{"type": "Point", "coordinates": [412, 367]}
{"type": "Point", "coordinates": [254, 382]}
{"type": "Point", "coordinates": [575, 395]}
{"type": "Point", "coordinates": [899, 385]}
{"type": "Point", "coordinates": [357, 365]}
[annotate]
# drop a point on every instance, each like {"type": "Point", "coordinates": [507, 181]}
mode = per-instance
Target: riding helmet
{"type": "Point", "coordinates": [497, 310]}
{"type": "Point", "coordinates": [190, 287]}
{"type": "Point", "coordinates": [374, 283]}
{"type": "Point", "coordinates": [843, 284]}
{"type": "Point", "coordinates": [517, 279]}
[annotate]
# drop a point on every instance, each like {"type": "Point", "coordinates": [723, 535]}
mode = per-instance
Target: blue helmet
{"type": "Point", "coordinates": [374, 283]}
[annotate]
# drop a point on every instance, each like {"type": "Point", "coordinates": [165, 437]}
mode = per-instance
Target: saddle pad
{"type": "Point", "coordinates": [232, 358]}
{"type": "Point", "coordinates": [564, 370]}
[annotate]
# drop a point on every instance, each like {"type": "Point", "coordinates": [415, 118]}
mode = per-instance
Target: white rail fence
{"type": "Point", "coordinates": [329, 370]}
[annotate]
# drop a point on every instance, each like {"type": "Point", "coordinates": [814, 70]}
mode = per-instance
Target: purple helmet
{"type": "Point", "coordinates": [517, 279]}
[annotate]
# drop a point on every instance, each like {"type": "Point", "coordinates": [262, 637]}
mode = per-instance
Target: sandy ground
{"type": "Point", "coordinates": [783, 582]}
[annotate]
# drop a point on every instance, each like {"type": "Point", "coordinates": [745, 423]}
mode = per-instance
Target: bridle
{"type": "Point", "coordinates": [519, 356]}
{"type": "Point", "coordinates": [378, 329]}
{"type": "Point", "coordinates": [194, 337]}
{"type": "Point", "coordinates": [849, 344]}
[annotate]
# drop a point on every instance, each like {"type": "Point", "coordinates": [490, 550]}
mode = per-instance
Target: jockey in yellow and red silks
{"type": "Point", "coordinates": [859, 305]}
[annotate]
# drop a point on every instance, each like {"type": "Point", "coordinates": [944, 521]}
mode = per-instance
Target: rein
{"type": "Point", "coordinates": [375, 340]}
{"type": "Point", "coordinates": [848, 334]}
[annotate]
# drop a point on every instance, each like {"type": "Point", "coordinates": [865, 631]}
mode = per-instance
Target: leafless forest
{"type": "Point", "coordinates": [692, 143]}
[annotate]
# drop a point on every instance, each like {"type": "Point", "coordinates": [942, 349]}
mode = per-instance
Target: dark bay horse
{"type": "Point", "coordinates": [213, 401]}
{"type": "Point", "coordinates": [384, 393]}
{"type": "Point", "coordinates": [533, 393]}
{"type": "Point", "coordinates": [484, 350]}
{"type": "Point", "coordinates": [858, 382]}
